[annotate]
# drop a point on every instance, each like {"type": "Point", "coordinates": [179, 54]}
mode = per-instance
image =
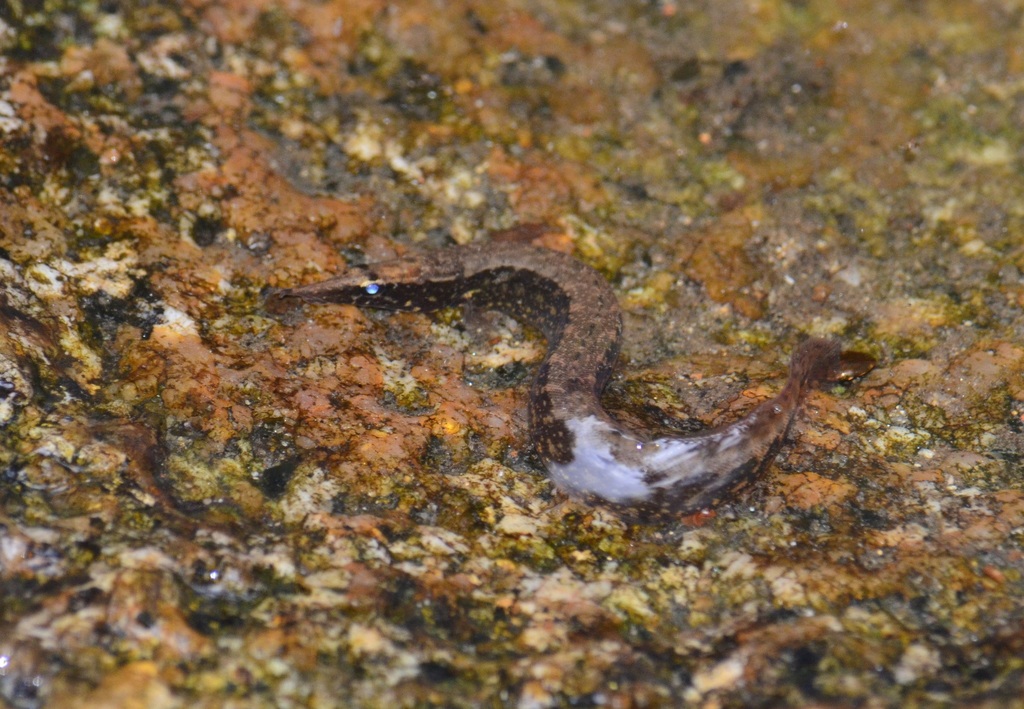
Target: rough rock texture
{"type": "Point", "coordinates": [206, 504]}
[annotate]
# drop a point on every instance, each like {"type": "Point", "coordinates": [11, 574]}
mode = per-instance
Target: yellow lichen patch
{"type": "Point", "coordinates": [653, 293]}
{"type": "Point", "coordinates": [787, 587]}
{"type": "Point", "coordinates": [518, 525]}
{"type": "Point", "coordinates": [914, 317]}
{"type": "Point", "coordinates": [137, 685]}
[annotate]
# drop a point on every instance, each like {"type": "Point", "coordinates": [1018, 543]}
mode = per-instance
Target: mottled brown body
{"type": "Point", "coordinates": [587, 453]}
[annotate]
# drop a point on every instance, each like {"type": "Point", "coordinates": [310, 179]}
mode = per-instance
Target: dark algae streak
{"type": "Point", "coordinates": [587, 453]}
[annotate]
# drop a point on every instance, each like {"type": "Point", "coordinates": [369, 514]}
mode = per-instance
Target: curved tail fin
{"type": "Point", "coordinates": [820, 360]}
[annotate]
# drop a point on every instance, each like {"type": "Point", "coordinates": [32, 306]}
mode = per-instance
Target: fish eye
{"type": "Point", "coordinates": [372, 288]}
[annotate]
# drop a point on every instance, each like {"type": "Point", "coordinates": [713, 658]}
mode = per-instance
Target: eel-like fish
{"type": "Point", "coordinates": [588, 454]}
